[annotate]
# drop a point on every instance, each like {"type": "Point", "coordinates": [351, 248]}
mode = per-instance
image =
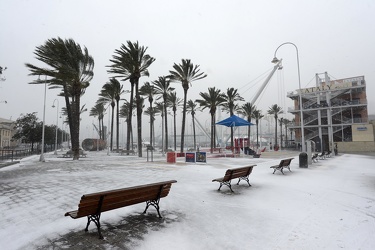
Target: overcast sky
{"type": "Point", "coordinates": [232, 41]}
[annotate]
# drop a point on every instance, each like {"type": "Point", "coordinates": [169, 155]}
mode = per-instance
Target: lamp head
{"type": "Point", "coordinates": [275, 60]}
{"type": "Point", "coordinates": [53, 105]}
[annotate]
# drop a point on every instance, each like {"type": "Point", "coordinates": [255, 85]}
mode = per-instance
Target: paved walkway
{"type": "Point", "coordinates": [34, 192]}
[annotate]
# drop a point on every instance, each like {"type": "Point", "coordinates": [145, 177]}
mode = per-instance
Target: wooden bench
{"type": "Point", "coordinates": [285, 163]}
{"type": "Point", "coordinates": [241, 173]}
{"type": "Point", "coordinates": [126, 152]}
{"type": "Point", "coordinates": [92, 205]}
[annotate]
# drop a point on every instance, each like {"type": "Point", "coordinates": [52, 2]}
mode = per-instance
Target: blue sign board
{"type": "Point", "coordinates": [201, 157]}
{"type": "Point", "coordinates": [190, 157]}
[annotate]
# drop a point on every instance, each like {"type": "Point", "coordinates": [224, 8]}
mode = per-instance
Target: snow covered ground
{"type": "Point", "coordinates": [330, 205]}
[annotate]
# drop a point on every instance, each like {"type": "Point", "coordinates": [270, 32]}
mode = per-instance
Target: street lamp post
{"type": "Point", "coordinates": [62, 132]}
{"type": "Point", "coordinates": [41, 158]}
{"type": "Point", "coordinates": [57, 122]}
{"type": "Point", "coordinates": [275, 60]}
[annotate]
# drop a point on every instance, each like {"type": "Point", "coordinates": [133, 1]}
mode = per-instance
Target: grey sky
{"type": "Point", "coordinates": [232, 41]}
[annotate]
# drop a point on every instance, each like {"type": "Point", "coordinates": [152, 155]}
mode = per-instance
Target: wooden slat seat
{"type": "Point", "coordinates": [241, 173]}
{"type": "Point", "coordinates": [92, 205]}
{"type": "Point", "coordinates": [285, 163]}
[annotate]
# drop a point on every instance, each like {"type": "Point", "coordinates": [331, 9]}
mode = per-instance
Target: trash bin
{"type": "Point", "coordinates": [171, 157]}
{"type": "Point", "coordinates": [303, 160]}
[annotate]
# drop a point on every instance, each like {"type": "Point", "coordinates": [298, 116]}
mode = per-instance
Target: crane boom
{"type": "Point", "coordinates": [277, 66]}
{"type": "Point", "coordinates": [260, 90]}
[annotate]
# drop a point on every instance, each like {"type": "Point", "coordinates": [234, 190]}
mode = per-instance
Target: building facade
{"type": "Point", "coordinates": [6, 133]}
{"type": "Point", "coordinates": [334, 111]}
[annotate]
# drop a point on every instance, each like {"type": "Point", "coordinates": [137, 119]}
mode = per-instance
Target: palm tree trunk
{"type": "Point", "coordinates": [103, 132]}
{"type": "Point", "coordinates": [248, 135]}
{"type": "Point", "coordinates": [286, 136]}
{"type": "Point", "coordinates": [117, 124]}
{"type": "Point", "coordinates": [183, 122]}
{"type": "Point", "coordinates": [275, 133]}
{"type": "Point", "coordinates": [231, 137]}
{"type": "Point", "coordinates": [212, 133]}
{"type": "Point", "coordinates": [100, 129]}
{"type": "Point", "coordinates": [165, 124]}
{"type": "Point", "coordinates": [257, 123]}
{"type": "Point", "coordinates": [151, 122]}
{"type": "Point", "coordinates": [139, 119]}
{"type": "Point", "coordinates": [174, 130]}
{"type": "Point", "coordinates": [112, 121]}
{"type": "Point", "coordinates": [195, 142]}
{"type": "Point", "coordinates": [129, 134]}
{"type": "Point", "coordinates": [74, 128]}
{"type": "Point", "coordinates": [281, 135]}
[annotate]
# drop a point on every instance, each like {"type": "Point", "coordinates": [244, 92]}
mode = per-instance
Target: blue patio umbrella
{"type": "Point", "coordinates": [234, 121]}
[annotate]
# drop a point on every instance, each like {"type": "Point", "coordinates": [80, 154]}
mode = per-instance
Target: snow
{"type": "Point", "coordinates": [329, 205]}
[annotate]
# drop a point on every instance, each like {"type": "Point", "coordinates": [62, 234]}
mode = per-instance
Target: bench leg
{"type": "Point", "coordinates": [246, 178]}
{"type": "Point", "coordinates": [227, 183]}
{"type": "Point", "coordinates": [155, 204]}
{"type": "Point", "coordinates": [96, 219]}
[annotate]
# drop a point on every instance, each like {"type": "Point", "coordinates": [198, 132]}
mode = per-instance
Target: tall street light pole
{"type": "Point", "coordinates": [275, 60]}
{"type": "Point", "coordinates": [57, 122]}
{"type": "Point", "coordinates": [62, 132]}
{"type": "Point", "coordinates": [41, 158]}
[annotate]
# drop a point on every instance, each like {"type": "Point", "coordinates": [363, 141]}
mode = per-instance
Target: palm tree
{"type": "Point", "coordinates": [275, 110]}
{"type": "Point", "coordinates": [111, 93]}
{"type": "Point", "coordinates": [211, 100]}
{"type": "Point", "coordinates": [191, 108]}
{"type": "Point", "coordinates": [71, 69]}
{"type": "Point", "coordinates": [174, 102]}
{"type": "Point", "coordinates": [232, 96]}
{"type": "Point", "coordinates": [162, 89]}
{"type": "Point", "coordinates": [131, 62]}
{"type": "Point", "coordinates": [98, 111]}
{"type": "Point", "coordinates": [257, 115]}
{"type": "Point", "coordinates": [247, 110]}
{"type": "Point", "coordinates": [148, 90]}
{"type": "Point", "coordinates": [185, 73]}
